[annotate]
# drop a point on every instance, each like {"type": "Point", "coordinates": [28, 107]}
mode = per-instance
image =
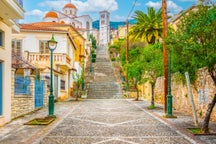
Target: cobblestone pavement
{"type": "Point", "coordinates": [104, 121]}
{"type": "Point", "coordinates": [112, 122]}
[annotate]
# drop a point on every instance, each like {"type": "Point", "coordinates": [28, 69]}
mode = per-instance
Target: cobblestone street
{"type": "Point", "coordinates": [104, 121]}
{"type": "Point", "coordinates": [114, 122]}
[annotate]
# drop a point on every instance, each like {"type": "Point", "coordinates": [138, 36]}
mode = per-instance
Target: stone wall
{"type": "Point", "coordinates": [23, 104]}
{"type": "Point", "coordinates": [203, 91]}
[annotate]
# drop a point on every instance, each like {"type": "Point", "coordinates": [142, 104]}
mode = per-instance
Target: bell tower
{"type": "Point", "coordinates": [104, 31]}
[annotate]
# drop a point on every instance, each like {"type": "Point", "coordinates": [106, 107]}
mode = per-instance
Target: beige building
{"type": "Point", "coordinates": [10, 10]}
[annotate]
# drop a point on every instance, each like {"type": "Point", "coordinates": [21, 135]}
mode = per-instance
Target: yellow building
{"type": "Point", "coordinates": [10, 10]}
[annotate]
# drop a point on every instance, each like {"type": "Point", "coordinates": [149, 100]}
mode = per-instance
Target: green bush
{"type": "Point", "coordinates": [113, 59]}
{"type": "Point", "coordinates": [93, 60]}
{"type": "Point", "coordinates": [94, 55]}
{"type": "Point", "coordinates": [92, 51]}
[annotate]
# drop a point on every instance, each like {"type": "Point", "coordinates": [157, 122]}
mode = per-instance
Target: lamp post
{"type": "Point", "coordinates": [169, 95]}
{"type": "Point", "coordinates": [52, 46]}
{"type": "Point", "coordinates": [169, 113]}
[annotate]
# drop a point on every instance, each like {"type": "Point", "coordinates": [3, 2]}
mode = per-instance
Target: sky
{"type": "Point", "coordinates": [119, 10]}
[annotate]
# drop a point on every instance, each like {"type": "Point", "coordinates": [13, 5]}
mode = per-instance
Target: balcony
{"type": "Point", "coordinates": [10, 10]}
{"type": "Point", "coordinates": [44, 59]}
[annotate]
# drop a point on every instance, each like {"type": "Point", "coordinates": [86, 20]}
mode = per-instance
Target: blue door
{"type": "Point", "coordinates": [1, 88]}
{"type": "Point", "coordinates": [39, 94]}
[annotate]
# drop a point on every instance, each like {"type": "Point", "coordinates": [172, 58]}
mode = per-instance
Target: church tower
{"type": "Point", "coordinates": [104, 31]}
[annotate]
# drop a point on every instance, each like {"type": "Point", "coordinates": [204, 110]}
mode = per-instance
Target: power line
{"type": "Point", "coordinates": [132, 9]}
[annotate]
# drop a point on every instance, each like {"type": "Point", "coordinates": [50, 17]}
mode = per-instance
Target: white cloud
{"type": "Point", "coordinates": [35, 12]}
{"type": "Point", "coordinates": [118, 18]}
{"type": "Point", "coordinates": [88, 6]}
{"type": "Point", "coordinates": [57, 5]}
{"type": "Point", "coordinates": [171, 6]}
{"type": "Point", "coordinates": [138, 4]}
{"type": "Point", "coordinates": [188, 0]}
{"type": "Point", "coordinates": [155, 5]}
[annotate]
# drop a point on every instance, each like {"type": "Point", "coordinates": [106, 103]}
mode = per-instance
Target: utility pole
{"type": "Point", "coordinates": [127, 48]}
{"type": "Point", "coordinates": [165, 55]}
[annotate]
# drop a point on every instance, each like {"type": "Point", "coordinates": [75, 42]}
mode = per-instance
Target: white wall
{"type": "Point", "coordinates": [5, 57]}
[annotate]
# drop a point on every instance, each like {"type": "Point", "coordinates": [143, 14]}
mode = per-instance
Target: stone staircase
{"type": "Point", "coordinates": [102, 80]}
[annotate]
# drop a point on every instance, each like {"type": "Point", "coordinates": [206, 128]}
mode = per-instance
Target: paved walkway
{"type": "Point", "coordinates": [104, 121]}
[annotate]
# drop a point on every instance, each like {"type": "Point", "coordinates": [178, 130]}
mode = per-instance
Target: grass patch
{"type": "Point", "coordinates": [41, 121]}
{"type": "Point", "coordinates": [152, 107]}
{"type": "Point", "coordinates": [195, 130]}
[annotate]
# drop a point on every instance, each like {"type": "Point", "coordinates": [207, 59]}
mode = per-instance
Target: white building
{"type": "Point", "coordinates": [69, 16]}
{"type": "Point", "coordinates": [33, 40]}
{"type": "Point", "coordinates": [10, 10]}
{"type": "Point", "coordinates": [104, 31]}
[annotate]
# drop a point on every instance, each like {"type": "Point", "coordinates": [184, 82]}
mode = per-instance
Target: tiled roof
{"type": "Point", "coordinates": [41, 26]}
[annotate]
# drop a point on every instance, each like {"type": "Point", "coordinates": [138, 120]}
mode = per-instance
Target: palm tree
{"type": "Point", "coordinates": [148, 27]}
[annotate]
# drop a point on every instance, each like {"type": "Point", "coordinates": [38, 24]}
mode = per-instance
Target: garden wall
{"type": "Point", "coordinates": [203, 92]}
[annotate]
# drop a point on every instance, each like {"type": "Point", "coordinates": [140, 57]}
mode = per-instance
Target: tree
{"type": "Point", "coordinates": [93, 40]}
{"type": "Point", "coordinates": [153, 65]}
{"type": "Point", "coordinates": [79, 79]}
{"type": "Point", "coordinates": [148, 27]}
{"type": "Point", "coordinates": [193, 47]}
{"type": "Point", "coordinates": [135, 68]}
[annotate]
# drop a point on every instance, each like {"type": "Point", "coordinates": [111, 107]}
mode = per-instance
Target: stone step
{"type": "Point", "coordinates": [103, 84]}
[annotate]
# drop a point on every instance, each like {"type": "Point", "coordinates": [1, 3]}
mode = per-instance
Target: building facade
{"type": "Point", "coordinates": [10, 10]}
{"type": "Point", "coordinates": [104, 30]}
{"type": "Point", "coordinates": [67, 57]}
{"type": "Point", "coordinates": [68, 15]}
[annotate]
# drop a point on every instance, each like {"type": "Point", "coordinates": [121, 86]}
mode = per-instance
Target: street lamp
{"type": "Point", "coordinates": [169, 113]}
{"type": "Point", "coordinates": [52, 46]}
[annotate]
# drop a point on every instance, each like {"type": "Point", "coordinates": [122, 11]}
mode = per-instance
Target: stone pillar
{"type": "Point", "coordinates": [32, 92]}
{"type": "Point", "coordinates": [46, 94]}
{"type": "Point", "coordinates": [12, 94]}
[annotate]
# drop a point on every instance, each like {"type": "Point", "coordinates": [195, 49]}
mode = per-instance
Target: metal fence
{"type": "Point", "coordinates": [22, 85]}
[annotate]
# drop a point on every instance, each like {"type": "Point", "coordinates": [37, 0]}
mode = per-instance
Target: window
{"type": "Point", "coordinates": [1, 38]}
{"type": "Point", "coordinates": [62, 85]}
{"type": "Point", "coordinates": [47, 79]}
{"type": "Point", "coordinates": [102, 16]}
{"type": "Point", "coordinates": [43, 46]}
{"type": "Point", "coordinates": [17, 47]}
{"type": "Point", "coordinates": [102, 22]}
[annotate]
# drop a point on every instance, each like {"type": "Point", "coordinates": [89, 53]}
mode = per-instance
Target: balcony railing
{"type": "Point", "coordinates": [61, 59]}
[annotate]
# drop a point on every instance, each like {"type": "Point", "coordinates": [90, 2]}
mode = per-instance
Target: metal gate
{"type": "Point", "coordinates": [39, 93]}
